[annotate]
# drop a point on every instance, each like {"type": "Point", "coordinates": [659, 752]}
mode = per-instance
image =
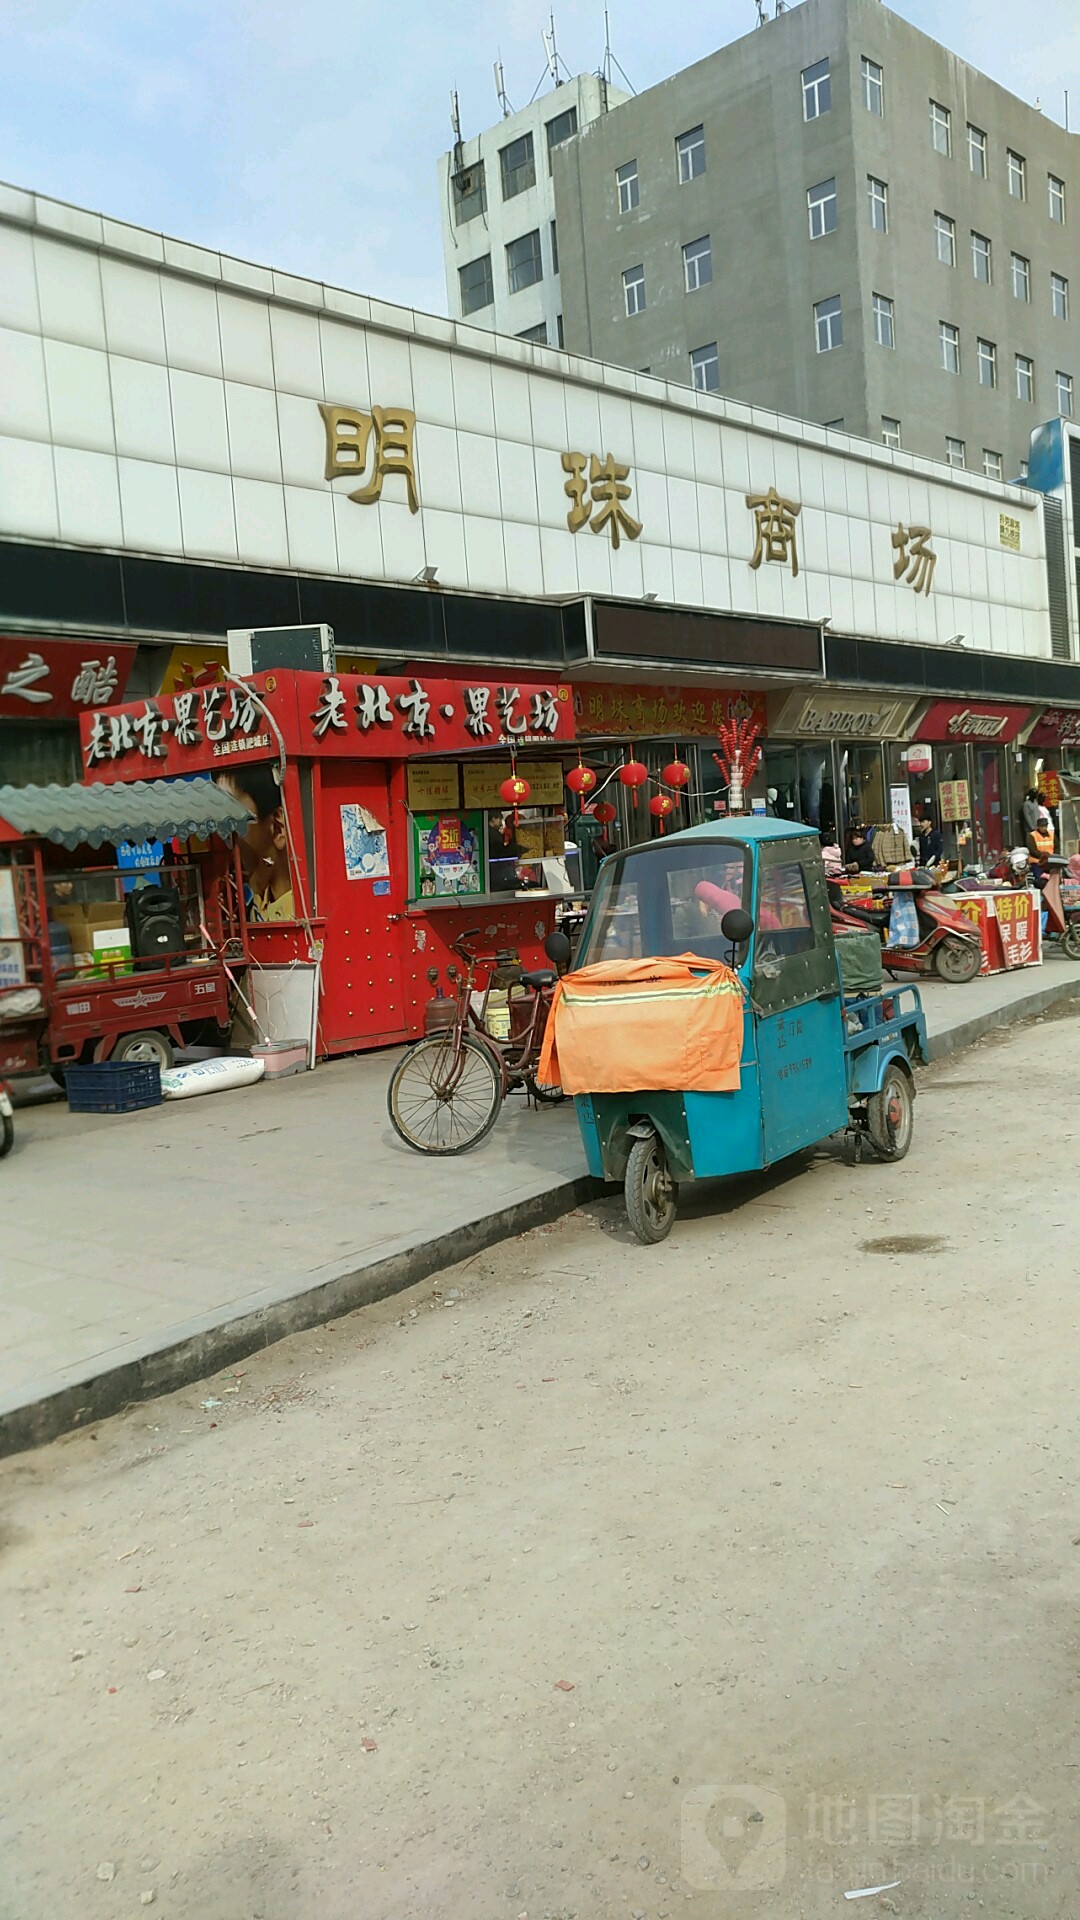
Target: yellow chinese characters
{"type": "Point", "coordinates": [774, 524]}
{"type": "Point", "coordinates": [914, 561]}
{"type": "Point", "coordinates": [598, 500]}
{"type": "Point", "coordinates": [348, 436]}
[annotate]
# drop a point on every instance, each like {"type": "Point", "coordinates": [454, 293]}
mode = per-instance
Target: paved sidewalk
{"type": "Point", "coordinates": [140, 1251]}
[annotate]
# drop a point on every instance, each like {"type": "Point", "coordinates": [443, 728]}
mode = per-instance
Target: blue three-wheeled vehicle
{"type": "Point", "coordinates": [750, 892]}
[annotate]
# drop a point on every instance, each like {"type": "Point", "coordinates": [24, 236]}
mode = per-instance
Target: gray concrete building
{"type": "Point", "coordinates": [835, 217]}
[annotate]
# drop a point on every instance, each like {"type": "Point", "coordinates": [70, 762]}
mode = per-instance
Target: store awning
{"type": "Point", "coordinates": [136, 810]}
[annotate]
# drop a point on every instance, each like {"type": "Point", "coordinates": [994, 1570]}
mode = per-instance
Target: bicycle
{"type": "Point", "coordinates": [446, 1092]}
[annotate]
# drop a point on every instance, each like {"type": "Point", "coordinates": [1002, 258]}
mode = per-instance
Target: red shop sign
{"type": "Point", "coordinates": [975, 720]}
{"type": "Point", "coordinates": [1058, 727]}
{"type": "Point", "coordinates": [56, 679]}
{"type": "Point", "coordinates": [342, 714]}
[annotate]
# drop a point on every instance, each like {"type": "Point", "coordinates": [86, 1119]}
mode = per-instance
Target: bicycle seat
{"type": "Point", "coordinates": [540, 977]}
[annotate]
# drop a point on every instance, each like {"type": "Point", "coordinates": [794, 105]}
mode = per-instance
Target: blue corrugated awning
{"type": "Point", "coordinates": [136, 810]}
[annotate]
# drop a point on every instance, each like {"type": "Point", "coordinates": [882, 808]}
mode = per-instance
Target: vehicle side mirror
{"type": "Point", "coordinates": [737, 926]}
{"type": "Point", "coordinates": [557, 948]}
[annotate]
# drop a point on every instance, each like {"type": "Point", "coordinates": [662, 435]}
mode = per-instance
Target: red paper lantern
{"type": "Point", "coordinates": [515, 791]}
{"type": "Point", "coordinates": [581, 779]}
{"type": "Point", "coordinates": [661, 805]}
{"type": "Point", "coordinates": [604, 811]}
{"type": "Point", "coordinates": [633, 773]}
{"type": "Point", "coordinates": [676, 774]}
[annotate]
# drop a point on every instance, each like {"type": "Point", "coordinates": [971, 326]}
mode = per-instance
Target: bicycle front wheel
{"type": "Point", "coordinates": [441, 1105]}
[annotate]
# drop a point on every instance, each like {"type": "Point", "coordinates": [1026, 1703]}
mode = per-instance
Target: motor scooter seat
{"type": "Point", "coordinates": [539, 977]}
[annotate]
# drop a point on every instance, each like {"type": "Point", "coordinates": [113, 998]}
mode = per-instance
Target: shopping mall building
{"type": "Point", "coordinates": [191, 445]}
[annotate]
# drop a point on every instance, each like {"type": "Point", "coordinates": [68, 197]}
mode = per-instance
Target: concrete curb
{"type": "Point", "coordinates": [204, 1349]}
{"type": "Point", "coordinates": [965, 1034]}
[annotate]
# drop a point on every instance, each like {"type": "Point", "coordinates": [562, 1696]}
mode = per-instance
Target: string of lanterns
{"type": "Point", "coordinates": [634, 775]}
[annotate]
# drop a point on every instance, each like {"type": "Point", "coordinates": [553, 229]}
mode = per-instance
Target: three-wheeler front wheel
{"type": "Point", "coordinates": [652, 1196]}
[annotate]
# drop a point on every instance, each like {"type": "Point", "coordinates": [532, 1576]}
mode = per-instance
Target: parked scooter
{"type": "Point", "coordinates": [7, 1120]}
{"type": "Point", "coordinates": [948, 944]}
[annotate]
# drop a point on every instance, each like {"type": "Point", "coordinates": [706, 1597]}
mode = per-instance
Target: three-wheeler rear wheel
{"type": "Point", "coordinates": [890, 1115]}
{"type": "Point", "coordinates": [652, 1195]}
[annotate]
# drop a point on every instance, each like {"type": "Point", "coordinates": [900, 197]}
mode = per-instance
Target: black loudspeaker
{"type": "Point", "coordinates": [155, 921]}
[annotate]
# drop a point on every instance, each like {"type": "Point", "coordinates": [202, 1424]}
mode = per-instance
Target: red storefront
{"type": "Point", "coordinates": [377, 822]}
{"type": "Point", "coordinates": [971, 768]}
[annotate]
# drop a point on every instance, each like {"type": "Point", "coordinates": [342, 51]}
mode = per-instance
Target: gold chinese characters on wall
{"type": "Point", "coordinates": [349, 434]}
{"type": "Point", "coordinates": [598, 497]}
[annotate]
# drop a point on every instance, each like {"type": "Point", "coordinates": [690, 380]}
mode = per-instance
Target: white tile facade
{"type": "Point", "coordinates": [162, 398]}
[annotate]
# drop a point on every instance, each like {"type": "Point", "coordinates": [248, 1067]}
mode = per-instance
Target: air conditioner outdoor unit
{"type": "Point", "coordinates": [465, 184]}
{"type": "Point", "coordinates": [261, 649]}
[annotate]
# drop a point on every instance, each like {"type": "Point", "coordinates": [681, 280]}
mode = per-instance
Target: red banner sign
{"type": "Point", "coordinates": [56, 679]}
{"type": "Point", "coordinates": [1018, 928]}
{"type": "Point", "coordinates": [677, 713]}
{"type": "Point", "coordinates": [346, 715]}
{"type": "Point", "coordinates": [1058, 727]}
{"type": "Point", "coordinates": [978, 721]}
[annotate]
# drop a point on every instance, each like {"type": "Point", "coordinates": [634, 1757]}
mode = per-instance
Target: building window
{"type": "Point", "coordinates": [518, 164]}
{"type": "Point", "coordinates": [829, 324]}
{"type": "Point", "coordinates": [633, 286]}
{"type": "Point", "coordinates": [981, 259]}
{"type": "Point", "coordinates": [816, 90]}
{"type": "Point", "coordinates": [690, 154]}
{"type": "Point", "coordinates": [1023, 469]}
{"type": "Point", "coordinates": [890, 431]}
{"type": "Point", "coordinates": [1016, 167]}
{"type": "Point", "coordinates": [950, 346]}
{"type": "Point", "coordinates": [955, 451]}
{"type": "Point", "coordinates": [987, 354]}
{"type": "Point", "coordinates": [470, 194]}
{"type": "Point", "coordinates": [834, 426]}
{"type": "Point", "coordinates": [1025, 377]}
{"type": "Point", "coordinates": [1057, 198]}
{"type": "Point", "coordinates": [1064, 392]}
{"type": "Point", "coordinates": [940, 127]}
{"type": "Point", "coordinates": [821, 208]}
{"type": "Point", "coordinates": [524, 261]}
{"type": "Point", "coordinates": [884, 329]}
{"type": "Point", "coordinates": [697, 263]}
{"type": "Point", "coordinates": [945, 239]}
{"type": "Point", "coordinates": [475, 284]}
{"type": "Point", "coordinates": [554, 247]}
{"type": "Point", "coordinates": [560, 130]}
{"type": "Point", "coordinates": [1059, 296]}
{"type": "Point", "coordinates": [705, 368]}
{"type": "Point", "coordinates": [877, 194]}
{"type": "Point", "coordinates": [626, 180]}
{"type": "Point", "coordinates": [873, 87]}
{"type": "Point", "coordinates": [991, 464]}
{"type": "Point", "coordinates": [536, 334]}
{"type": "Point", "coordinates": [559, 329]}
{"type": "Point", "coordinates": [977, 151]}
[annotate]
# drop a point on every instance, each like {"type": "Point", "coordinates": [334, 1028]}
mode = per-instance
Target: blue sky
{"type": "Point", "coordinates": [304, 133]}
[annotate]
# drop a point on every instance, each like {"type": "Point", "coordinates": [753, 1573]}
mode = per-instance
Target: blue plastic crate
{"type": "Point", "coordinates": [114, 1086]}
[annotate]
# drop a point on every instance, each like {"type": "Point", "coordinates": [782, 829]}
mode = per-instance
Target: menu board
{"type": "Point", "coordinates": [483, 778]}
{"type": "Point", "coordinates": [433, 784]}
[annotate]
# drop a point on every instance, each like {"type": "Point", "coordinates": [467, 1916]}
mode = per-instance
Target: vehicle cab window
{"type": "Point", "coordinates": [666, 901]}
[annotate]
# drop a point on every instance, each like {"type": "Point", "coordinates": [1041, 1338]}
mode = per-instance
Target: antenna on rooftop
{"type": "Point", "coordinates": [455, 122]}
{"type": "Point", "coordinates": [609, 58]}
{"type": "Point", "coordinates": [500, 89]}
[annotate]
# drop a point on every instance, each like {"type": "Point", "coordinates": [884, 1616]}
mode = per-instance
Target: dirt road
{"type": "Point", "coordinates": [721, 1579]}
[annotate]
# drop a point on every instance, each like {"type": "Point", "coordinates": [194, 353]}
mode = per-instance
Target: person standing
{"type": "Point", "coordinates": [1029, 811]}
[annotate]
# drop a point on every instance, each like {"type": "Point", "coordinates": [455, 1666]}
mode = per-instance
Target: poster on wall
{"type": "Point", "coordinates": [900, 809]}
{"type": "Point", "coordinates": [448, 854]}
{"type": "Point", "coordinates": [9, 921]}
{"type": "Point", "coordinates": [364, 841]}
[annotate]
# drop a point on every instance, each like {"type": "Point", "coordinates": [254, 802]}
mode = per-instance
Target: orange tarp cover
{"type": "Point", "coordinates": [667, 1025]}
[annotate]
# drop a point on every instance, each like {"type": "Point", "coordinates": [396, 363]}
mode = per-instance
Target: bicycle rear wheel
{"type": "Point", "coordinates": [438, 1105]}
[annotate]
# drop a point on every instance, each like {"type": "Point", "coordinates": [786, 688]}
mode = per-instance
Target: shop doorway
{"type": "Point", "coordinates": [799, 785]}
{"type": "Point", "coordinates": [362, 890]}
{"type": "Point", "coordinates": [991, 826]}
